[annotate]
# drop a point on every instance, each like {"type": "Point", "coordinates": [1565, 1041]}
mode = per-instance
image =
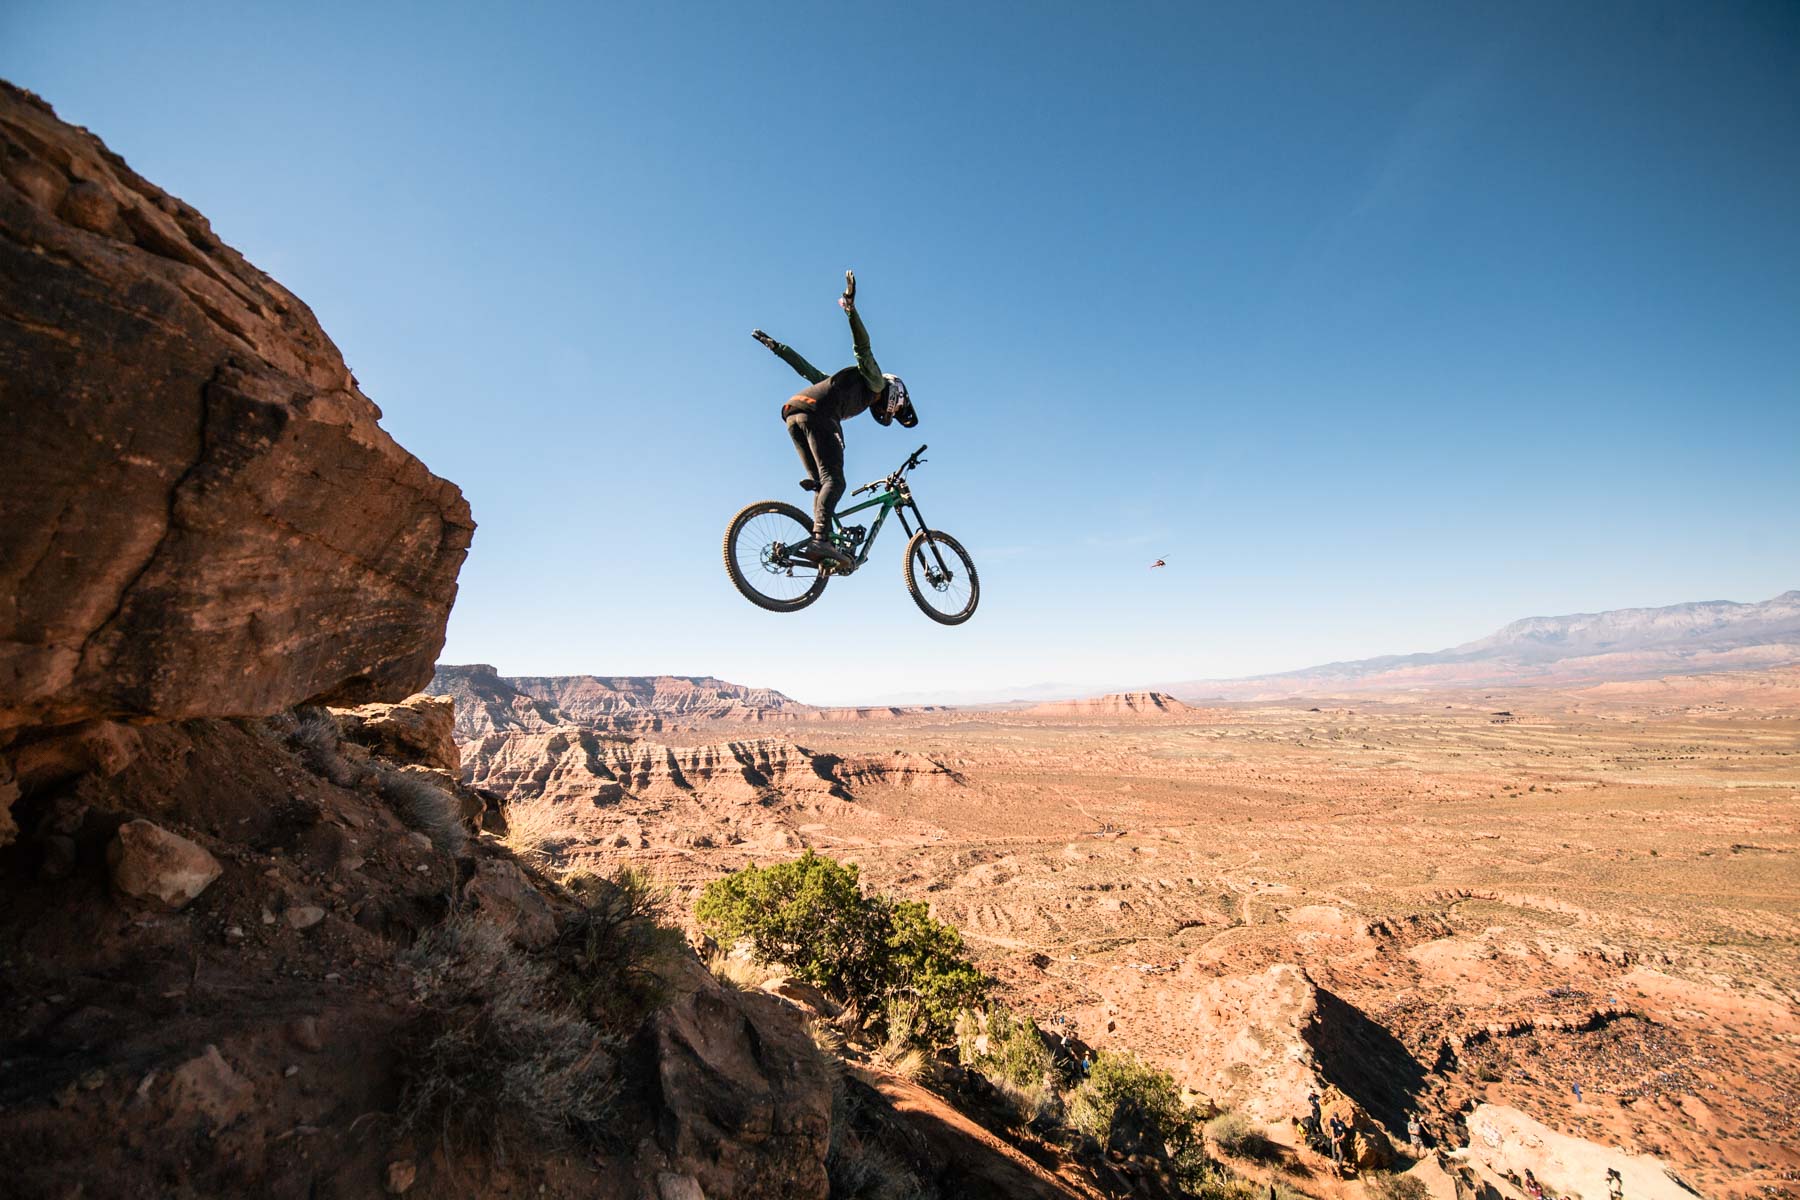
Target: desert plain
{"type": "Point", "coordinates": [1562, 926]}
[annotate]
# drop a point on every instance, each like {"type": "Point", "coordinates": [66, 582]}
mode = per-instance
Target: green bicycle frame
{"type": "Point", "coordinates": [897, 498]}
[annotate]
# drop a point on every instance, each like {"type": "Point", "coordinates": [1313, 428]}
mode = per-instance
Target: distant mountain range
{"type": "Point", "coordinates": [1582, 648]}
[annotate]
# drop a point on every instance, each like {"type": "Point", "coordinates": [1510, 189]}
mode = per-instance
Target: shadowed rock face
{"type": "Point", "coordinates": [199, 515]}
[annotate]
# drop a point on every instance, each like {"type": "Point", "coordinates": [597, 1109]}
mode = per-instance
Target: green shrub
{"type": "Point", "coordinates": [1130, 1106]}
{"type": "Point", "coordinates": [1237, 1135]}
{"type": "Point", "coordinates": [811, 917]}
{"type": "Point", "coordinates": [931, 959]}
{"type": "Point", "coordinates": [1010, 1052]}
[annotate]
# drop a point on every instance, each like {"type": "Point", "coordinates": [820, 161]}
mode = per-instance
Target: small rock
{"type": "Point", "coordinates": [400, 1176]}
{"type": "Point", "coordinates": [670, 1186]}
{"type": "Point", "coordinates": [304, 1033]}
{"type": "Point", "coordinates": [208, 1086]}
{"type": "Point", "coordinates": [93, 1080]}
{"type": "Point", "coordinates": [290, 1072]}
{"type": "Point", "coordinates": [234, 933]}
{"type": "Point", "coordinates": [151, 864]}
{"type": "Point", "coordinates": [268, 918]}
{"type": "Point", "coordinates": [305, 916]}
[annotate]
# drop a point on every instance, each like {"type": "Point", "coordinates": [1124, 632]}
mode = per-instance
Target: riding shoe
{"type": "Point", "coordinates": [820, 550]}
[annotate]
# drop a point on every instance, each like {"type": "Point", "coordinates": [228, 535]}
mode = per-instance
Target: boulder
{"type": "Point", "coordinates": [420, 729]}
{"type": "Point", "coordinates": [801, 995]}
{"type": "Point", "coordinates": [200, 514]}
{"type": "Point", "coordinates": [152, 865]}
{"type": "Point", "coordinates": [499, 891]}
{"type": "Point", "coordinates": [1366, 1147]}
{"type": "Point", "coordinates": [742, 1097]}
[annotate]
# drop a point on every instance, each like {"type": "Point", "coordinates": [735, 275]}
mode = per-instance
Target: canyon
{"type": "Point", "coordinates": [1536, 916]}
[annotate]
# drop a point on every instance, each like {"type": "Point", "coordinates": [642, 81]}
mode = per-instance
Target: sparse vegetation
{"type": "Point", "coordinates": [811, 916]}
{"type": "Point", "coordinates": [616, 949]}
{"type": "Point", "coordinates": [426, 807]}
{"type": "Point", "coordinates": [538, 834]}
{"type": "Point", "coordinates": [743, 971]}
{"type": "Point", "coordinates": [1237, 1135]}
{"type": "Point", "coordinates": [903, 1016]}
{"type": "Point", "coordinates": [319, 741]}
{"type": "Point", "coordinates": [1385, 1185]}
{"type": "Point", "coordinates": [494, 1047]}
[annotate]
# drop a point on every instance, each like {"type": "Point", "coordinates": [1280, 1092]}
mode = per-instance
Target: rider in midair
{"type": "Point", "coordinates": [816, 413]}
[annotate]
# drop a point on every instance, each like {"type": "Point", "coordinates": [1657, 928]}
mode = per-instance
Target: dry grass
{"type": "Point", "coordinates": [426, 807]}
{"type": "Point", "coordinates": [317, 738]}
{"type": "Point", "coordinates": [538, 834]}
{"type": "Point", "coordinates": [914, 1064]}
{"type": "Point", "coordinates": [492, 1047]}
{"type": "Point", "coordinates": [742, 971]}
{"type": "Point", "coordinates": [1235, 1134]}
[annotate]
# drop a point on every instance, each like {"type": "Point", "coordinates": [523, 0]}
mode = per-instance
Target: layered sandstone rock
{"type": "Point", "coordinates": [200, 514]}
{"type": "Point", "coordinates": [420, 729]}
{"type": "Point", "coordinates": [1116, 704]}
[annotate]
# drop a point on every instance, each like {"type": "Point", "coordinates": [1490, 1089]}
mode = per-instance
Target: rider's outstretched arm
{"type": "Point", "coordinates": [791, 357]}
{"type": "Point", "coordinates": [859, 337]}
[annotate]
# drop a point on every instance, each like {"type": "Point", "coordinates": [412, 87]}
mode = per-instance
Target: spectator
{"type": "Point", "coordinates": [1338, 1130]}
{"type": "Point", "coordinates": [1412, 1133]}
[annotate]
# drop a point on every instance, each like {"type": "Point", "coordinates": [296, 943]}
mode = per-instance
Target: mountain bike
{"type": "Point", "coordinates": [762, 540]}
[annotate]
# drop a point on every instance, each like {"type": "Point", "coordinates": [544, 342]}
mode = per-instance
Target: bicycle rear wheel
{"type": "Point", "coordinates": [947, 594]}
{"type": "Point", "coordinates": [756, 558]}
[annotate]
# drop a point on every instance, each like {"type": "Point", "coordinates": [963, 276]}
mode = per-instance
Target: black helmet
{"type": "Point", "coordinates": [899, 404]}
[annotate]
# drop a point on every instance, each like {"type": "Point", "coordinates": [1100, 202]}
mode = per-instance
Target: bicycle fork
{"type": "Point", "coordinates": [900, 511]}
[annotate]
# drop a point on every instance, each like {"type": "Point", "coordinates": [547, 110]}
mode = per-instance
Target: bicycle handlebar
{"type": "Point", "coordinates": [912, 460]}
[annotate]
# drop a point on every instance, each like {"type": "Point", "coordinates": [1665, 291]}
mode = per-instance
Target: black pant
{"type": "Point", "coordinates": [820, 441]}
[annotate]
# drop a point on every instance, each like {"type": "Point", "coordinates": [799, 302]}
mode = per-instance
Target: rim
{"type": "Point", "coordinates": [753, 549]}
{"type": "Point", "coordinates": [949, 596]}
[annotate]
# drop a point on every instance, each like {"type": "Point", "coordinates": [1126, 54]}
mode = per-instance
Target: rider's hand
{"type": "Point", "coordinates": [847, 301]}
{"type": "Point", "coordinates": [764, 338]}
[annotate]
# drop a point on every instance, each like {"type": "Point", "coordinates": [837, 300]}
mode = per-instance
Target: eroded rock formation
{"type": "Point", "coordinates": [200, 515]}
{"type": "Point", "coordinates": [1115, 704]}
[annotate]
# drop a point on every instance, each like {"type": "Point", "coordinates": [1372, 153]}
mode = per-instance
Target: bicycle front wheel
{"type": "Point", "coordinates": [941, 577]}
{"type": "Point", "coordinates": [756, 557]}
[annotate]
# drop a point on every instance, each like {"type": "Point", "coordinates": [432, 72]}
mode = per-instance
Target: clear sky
{"type": "Point", "coordinates": [1384, 324]}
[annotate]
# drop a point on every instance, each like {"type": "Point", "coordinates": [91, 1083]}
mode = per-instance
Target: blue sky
{"type": "Point", "coordinates": [1384, 324]}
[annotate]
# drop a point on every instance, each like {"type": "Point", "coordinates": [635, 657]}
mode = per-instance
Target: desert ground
{"type": "Point", "coordinates": [1569, 913]}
